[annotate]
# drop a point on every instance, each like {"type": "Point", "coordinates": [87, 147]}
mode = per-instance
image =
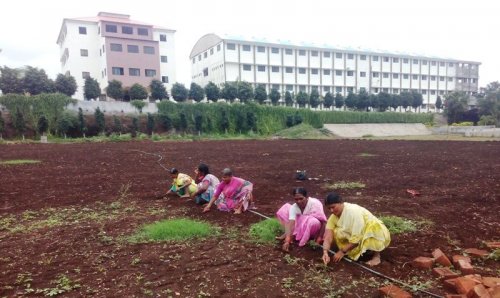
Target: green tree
{"type": "Point", "coordinates": [275, 96]}
{"type": "Point", "coordinates": [183, 123]}
{"type": "Point", "coordinates": [439, 103]}
{"type": "Point", "coordinates": [245, 91]}
{"type": "Point", "coordinates": [36, 81]}
{"type": "Point", "coordinates": [198, 122]}
{"type": "Point", "coordinates": [91, 89]}
{"type": "Point", "coordinates": [137, 91]}
{"type": "Point", "coordinates": [64, 124]}
{"type": "Point", "coordinates": [224, 125]}
{"type": "Point", "coordinates": [351, 100]}
{"type": "Point", "coordinates": [212, 92]}
{"type": "Point", "coordinates": [19, 123]}
{"type": "Point", "coordinates": [135, 127]}
{"type": "Point", "coordinates": [65, 84]}
{"type": "Point", "coordinates": [251, 121]}
{"type": "Point", "coordinates": [339, 101]}
{"type": "Point", "coordinates": [158, 90]}
{"type": "Point", "coordinates": [165, 121]}
{"type": "Point", "coordinates": [150, 125]}
{"type": "Point", "coordinates": [329, 100]}
{"type": "Point", "coordinates": [117, 127]}
{"type": "Point", "coordinates": [288, 99]}
{"type": "Point", "coordinates": [260, 94]}
{"type": "Point", "coordinates": [43, 125]}
{"type": "Point", "coordinates": [240, 121]}
{"type": "Point", "coordinates": [362, 100]}
{"type": "Point", "coordinates": [489, 104]}
{"type": "Point", "coordinates": [115, 90]}
{"type": "Point", "coordinates": [297, 118]}
{"type": "Point", "coordinates": [302, 99]}
{"type": "Point", "coordinates": [179, 92]}
{"type": "Point", "coordinates": [395, 101]}
{"type": "Point", "coordinates": [455, 105]}
{"type": "Point", "coordinates": [196, 92]}
{"type": "Point", "coordinates": [384, 101]}
{"type": "Point", "coordinates": [416, 100]}
{"type": "Point", "coordinates": [406, 99]}
{"type": "Point", "coordinates": [2, 125]}
{"type": "Point", "coordinates": [10, 80]}
{"type": "Point", "coordinates": [314, 99]}
{"type": "Point", "coordinates": [138, 104]}
{"type": "Point", "coordinates": [373, 102]}
{"type": "Point", "coordinates": [99, 120]}
{"type": "Point", "coordinates": [82, 126]}
{"type": "Point", "coordinates": [229, 91]}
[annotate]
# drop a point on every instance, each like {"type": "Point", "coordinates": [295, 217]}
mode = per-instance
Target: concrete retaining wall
{"type": "Point", "coordinates": [378, 129]}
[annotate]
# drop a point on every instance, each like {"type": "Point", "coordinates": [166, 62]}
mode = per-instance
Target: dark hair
{"type": "Point", "coordinates": [203, 168]}
{"type": "Point", "coordinates": [333, 198]}
{"type": "Point", "coordinates": [174, 171]}
{"type": "Point", "coordinates": [227, 172]}
{"type": "Point", "coordinates": [300, 190]}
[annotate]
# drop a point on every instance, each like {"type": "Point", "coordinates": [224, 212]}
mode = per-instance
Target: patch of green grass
{"type": "Point", "coordinates": [345, 185]}
{"type": "Point", "coordinates": [174, 229]}
{"type": "Point", "coordinates": [367, 136]}
{"type": "Point", "coordinates": [398, 225]}
{"type": "Point", "coordinates": [18, 162]}
{"type": "Point", "coordinates": [494, 255]}
{"type": "Point", "coordinates": [265, 231]}
{"type": "Point", "coordinates": [304, 131]}
{"type": "Point", "coordinates": [364, 154]}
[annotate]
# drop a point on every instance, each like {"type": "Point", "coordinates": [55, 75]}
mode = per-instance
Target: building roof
{"type": "Point", "coordinates": [197, 49]}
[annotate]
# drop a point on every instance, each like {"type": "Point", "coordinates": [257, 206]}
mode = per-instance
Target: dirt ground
{"type": "Point", "coordinates": [64, 222]}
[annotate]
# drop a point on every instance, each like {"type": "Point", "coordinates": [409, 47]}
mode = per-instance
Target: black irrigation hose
{"type": "Point", "coordinates": [157, 155]}
{"type": "Point", "coordinates": [366, 268]}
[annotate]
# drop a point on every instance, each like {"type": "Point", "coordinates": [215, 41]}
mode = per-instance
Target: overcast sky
{"type": "Point", "coordinates": [465, 30]}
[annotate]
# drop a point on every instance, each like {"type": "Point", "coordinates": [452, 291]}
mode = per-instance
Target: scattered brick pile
{"type": "Point", "coordinates": [465, 284]}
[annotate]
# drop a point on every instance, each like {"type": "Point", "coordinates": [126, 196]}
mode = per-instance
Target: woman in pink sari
{"type": "Point", "coordinates": [304, 220]}
{"type": "Point", "coordinates": [232, 193]}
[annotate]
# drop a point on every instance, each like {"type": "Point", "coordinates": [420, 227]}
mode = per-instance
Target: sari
{"type": "Point", "coordinates": [206, 196]}
{"type": "Point", "coordinates": [233, 195]}
{"type": "Point", "coordinates": [183, 179]}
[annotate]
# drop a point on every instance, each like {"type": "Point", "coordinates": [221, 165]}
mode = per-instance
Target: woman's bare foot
{"type": "Point", "coordinates": [375, 260]}
{"type": "Point", "coordinates": [237, 211]}
{"type": "Point", "coordinates": [282, 237]}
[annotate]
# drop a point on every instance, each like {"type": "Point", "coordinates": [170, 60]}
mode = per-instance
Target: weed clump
{"type": "Point", "coordinates": [266, 230]}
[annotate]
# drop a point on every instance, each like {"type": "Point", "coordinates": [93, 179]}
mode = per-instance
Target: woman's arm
{"type": "Point", "coordinates": [327, 241]}
{"type": "Point", "coordinates": [202, 188]}
{"type": "Point", "coordinates": [289, 227]}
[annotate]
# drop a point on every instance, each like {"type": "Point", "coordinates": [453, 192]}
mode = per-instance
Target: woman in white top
{"type": "Point", "coordinates": [206, 185]}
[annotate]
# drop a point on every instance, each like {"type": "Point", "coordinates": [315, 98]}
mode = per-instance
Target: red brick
{"type": "Point", "coordinates": [455, 296]}
{"type": "Point", "coordinates": [480, 291]}
{"type": "Point", "coordinates": [475, 277]}
{"type": "Point", "coordinates": [449, 284]}
{"type": "Point", "coordinates": [465, 285]}
{"type": "Point", "coordinates": [491, 282]}
{"type": "Point", "coordinates": [423, 262]}
{"type": "Point", "coordinates": [494, 292]}
{"type": "Point", "coordinates": [493, 244]}
{"type": "Point", "coordinates": [465, 267]}
{"type": "Point", "coordinates": [476, 252]}
{"type": "Point", "coordinates": [455, 259]}
{"type": "Point", "coordinates": [393, 292]}
{"type": "Point", "coordinates": [444, 273]}
{"type": "Point", "coordinates": [441, 258]}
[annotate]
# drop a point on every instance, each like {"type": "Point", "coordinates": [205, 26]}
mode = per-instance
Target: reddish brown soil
{"type": "Point", "coordinates": [459, 184]}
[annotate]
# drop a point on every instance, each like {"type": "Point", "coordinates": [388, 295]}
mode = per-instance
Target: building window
{"type": "Point", "coordinates": [302, 70]}
{"type": "Point", "coordinates": [441, 79]}
{"type": "Point", "coordinates": [127, 30]}
{"type": "Point", "coordinates": [150, 72]}
{"type": "Point", "coordinates": [375, 58]}
{"type": "Point", "coordinates": [314, 71]}
{"type": "Point", "coordinates": [386, 59]}
{"type": "Point", "coordinates": [326, 54]}
{"type": "Point", "coordinates": [205, 72]}
{"type": "Point", "coordinates": [302, 88]}
{"type": "Point", "coordinates": [386, 75]}
{"type": "Point", "coordinates": [362, 74]}
{"type": "Point", "coordinates": [302, 52]}
{"type": "Point", "coordinates": [338, 89]}
{"type": "Point", "coordinates": [117, 71]}
{"type": "Point", "coordinates": [85, 74]}
{"type": "Point", "coordinates": [100, 52]}
{"type": "Point", "coordinates": [247, 67]}
{"type": "Point", "coordinates": [246, 48]}
{"type": "Point", "coordinates": [194, 60]}
{"type": "Point", "coordinates": [314, 53]}
{"type": "Point", "coordinates": [405, 60]}
{"type": "Point", "coordinates": [451, 64]}
{"type": "Point", "coordinates": [415, 61]}
{"type": "Point", "coordinates": [375, 74]}
{"type": "Point", "coordinates": [441, 92]}
{"type": "Point", "coordinates": [261, 49]}
{"type": "Point", "coordinates": [289, 87]}
{"type": "Point", "coordinates": [288, 70]}
{"type": "Point", "coordinates": [350, 73]}
{"type": "Point", "coordinates": [362, 57]}
{"type": "Point", "coordinates": [116, 47]}
{"type": "Point", "coordinates": [350, 89]}
{"type": "Point", "coordinates": [275, 87]}
{"type": "Point", "coordinates": [134, 72]}
{"type": "Point", "coordinates": [218, 48]}
{"type": "Point", "coordinates": [350, 56]}
{"type": "Point", "coordinates": [415, 77]}
{"type": "Point", "coordinates": [205, 55]}
{"type": "Point", "coordinates": [199, 57]}
{"type": "Point", "coordinates": [211, 51]}
{"type": "Point", "coordinates": [84, 52]}
{"type": "Point", "coordinates": [103, 49]}
{"type": "Point", "coordinates": [395, 91]}
{"type": "Point", "coordinates": [395, 60]}
{"type": "Point", "coordinates": [433, 78]}
{"type": "Point", "coordinates": [288, 52]}
{"type": "Point", "coordinates": [338, 72]}
{"type": "Point", "coordinates": [163, 37]}
{"type": "Point", "coordinates": [275, 69]}
{"type": "Point", "coordinates": [164, 59]}
{"type": "Point", "coordinates": [450, 79]}
{"type": "Point", "coordinates": [149, 50]}
{"type": "Point", "coordinates": [326, 88]}
{"type": "Point", "coordinates": [406, 76]}
{"type": "Point", "coordinates": [433, 92]}
{"type": "Point", "coordinates": [424, 78]}
{"type": "Point", "coordinates": [231, 46]}
{"type": "Point", "coordinates": [111, 28]}
{"type": "Point", "coordinates": [395, 76]}
{"type": "Point", "coordinates": [132, 48]}
{"type": "Point", "coordinates": [385, 90]}
{"type": "Point", "coordinates": [143, 31]}
{"type": "Point", "coordinates": [82, 30]}
{"type": "Point", "coordinates": [375, 90]}
{"type": "Point", "coordinates": [326, 72]}
{"type": "Point", "coordinates": [433, 63]}
{"type": "Point", "coordinates": [442, 64]}
{"type": "Point", "coordinates": [424, 62]}
{"type": "Point", "coordinates": [424, 92]}
{"type": "Point", "coordinates": [261, 68]}
{"type": "Point", "coordinates": [338, 55]}
{"type": "Point", "coordinates": [275, 50]}
{"type": "Point", "coordinates": [164, 79]}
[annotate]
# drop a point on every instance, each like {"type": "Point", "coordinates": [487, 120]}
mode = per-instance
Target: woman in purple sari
{"type": "Point", "coordinates": [232, 194]}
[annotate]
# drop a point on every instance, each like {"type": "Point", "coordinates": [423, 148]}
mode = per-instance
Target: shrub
{"type": "Point", "coordinates": [266, 230]}
{"type": "Point", "coordinates": [174, 229]}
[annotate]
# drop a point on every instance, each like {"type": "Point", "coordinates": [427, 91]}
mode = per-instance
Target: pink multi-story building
{"type": "Point", "coordinates": [113, 47]}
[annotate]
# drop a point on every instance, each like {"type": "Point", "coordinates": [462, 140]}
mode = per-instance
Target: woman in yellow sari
{"type": "Point", "coordinates": [182, 184]}
{"type": "Point", "coordinates": [355, 231]}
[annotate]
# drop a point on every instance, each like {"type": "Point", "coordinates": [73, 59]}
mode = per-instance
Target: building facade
{"type": "Point", "coordinates": [114, 47]}
{"type": "Point", "coordinates": [285, 66]}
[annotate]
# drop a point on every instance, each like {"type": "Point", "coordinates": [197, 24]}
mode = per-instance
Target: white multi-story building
{"type": "Point", "coordinates": [286, 66]}
{"type": "Point", "coordinates": [114, 47]}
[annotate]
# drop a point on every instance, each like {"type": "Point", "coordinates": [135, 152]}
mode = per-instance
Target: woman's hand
{"type": "Point", "coordinates": [207, 208]}
{"type": "Point", "coordinates": [326, 257]}
{"type": "Point", "coordinates": [338, 256]}
{"type": "Point", "coordinates": [286, 246]}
